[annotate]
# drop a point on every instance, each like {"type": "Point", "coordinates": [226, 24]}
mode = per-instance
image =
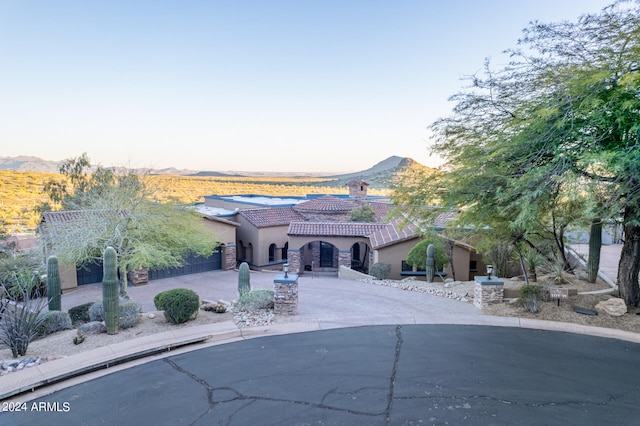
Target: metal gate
{"type": "Point", "coordinates": [89, 274]}
{"type": "Point", "coordinates": [92, 273]}
{"type": "Point", "coordinates": [193, 264]}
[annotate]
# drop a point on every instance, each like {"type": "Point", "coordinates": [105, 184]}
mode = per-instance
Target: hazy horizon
{"type": "Point", "coordinates": [287, 85]}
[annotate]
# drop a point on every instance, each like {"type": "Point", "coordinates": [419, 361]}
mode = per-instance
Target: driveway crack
{"type": "Point", "coordinates": [394, 370]}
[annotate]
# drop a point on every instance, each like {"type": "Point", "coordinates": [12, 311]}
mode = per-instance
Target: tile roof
{"type": "Point", "coordinates": [64, 216]}
{"type": "Point", "coordinates": [267, 217]}
{"type": "Point", "coordinates": [392, 233]}
{"type": "Point", "coordinates": [331, 229]}
{"type": "Point", "coordinates": [327, 204]}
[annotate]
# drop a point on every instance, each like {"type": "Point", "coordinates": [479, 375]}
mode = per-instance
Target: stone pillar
{"type": "Point", "coordinates": [285, 294]}
{"type": "Point", "coordinates": [229, 256]}
{"type": "Point", "coordinates": [294, 261]}
{"type": "Point", "coordinates": [487, 291]}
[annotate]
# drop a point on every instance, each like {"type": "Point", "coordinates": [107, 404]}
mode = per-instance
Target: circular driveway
{"type": "Point", "coordinates": [372, 375]}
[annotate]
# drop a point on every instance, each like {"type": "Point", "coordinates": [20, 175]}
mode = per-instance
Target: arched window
{"type": "Point", "coordinates": [272, 253]}
{"type": "Point", "coordinates": [285, 251]}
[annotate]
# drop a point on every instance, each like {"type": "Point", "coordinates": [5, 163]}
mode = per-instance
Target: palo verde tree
{"type": "Point", "coordinates": [119, 212]}
{"type": "Point", "coordinates": [526, 145]}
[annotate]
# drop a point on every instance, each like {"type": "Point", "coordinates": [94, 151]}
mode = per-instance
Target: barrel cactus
{"type": "Point", "coordinates": [110, 290]}
{"type": "Point", "coordinates": [244, 277]}
{"type": "Point", "coordinates": [430, 270]}
{"type": "Point", "coordinates": [53, 284]}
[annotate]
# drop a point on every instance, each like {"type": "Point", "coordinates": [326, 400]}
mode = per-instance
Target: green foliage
{"type": "Point", "coordinates": [244, 279]}
{"type": "Point", "coordinates": [80, 314]}
{"type": "Point", "coordinates": [254, 300]}
{"type": "Point", "coordinates": [380, 271]}
{"type": "Point", "coordinates": [529, 297]}
{"type": "Point", "coordinates": [417, 256]}
{"type": "Point", "coordinates": [110, 287]}
{"type": "Point", "coordinates": [179, 304]}
{"type": "Point", "coordinates": [20, 314]}
{"type": "Point", "coordinates": [548, 141]}
{"type": "Point", "coordinates": [54, 291]}
{"type": "Point", "coordinates": [21, 265]}
{"type": "Point", "coordinates": [158, 300]}
{"type": "Point", "coordinates": [363, 214]}
{"type": "Point", "coordinates": [52, 322]}
{"type": "Point", "coordinates": [119, 210]}
{"type": "Point", "coordinates": [128, 313]}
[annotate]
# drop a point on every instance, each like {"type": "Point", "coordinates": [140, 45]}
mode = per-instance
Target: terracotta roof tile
{"type": "Point", "coordinates": [339, 229]}
{"type": "Point", "coordinates": [392, 233]}
{"type": "Point", "coordinates": [267, 217]}
{"type": "Point", "coordinates": [327, 204]}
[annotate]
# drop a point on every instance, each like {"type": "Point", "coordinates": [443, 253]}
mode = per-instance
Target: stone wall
{"type": "Point", "coordinates": [285, 296]}
{"type": "Point", "coordinates": [486, 295]}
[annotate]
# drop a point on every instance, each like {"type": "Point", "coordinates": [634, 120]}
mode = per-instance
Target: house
{"type": "Point", "coordinates": [315, 233]}
{"type": "Point", "coordinates": [222, 229]}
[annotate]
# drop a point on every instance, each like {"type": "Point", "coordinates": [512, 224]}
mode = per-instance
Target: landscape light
{"type": "Point", "coordinates": [285, 268]}
{"type": "Point", "coordinates": [489, 271]}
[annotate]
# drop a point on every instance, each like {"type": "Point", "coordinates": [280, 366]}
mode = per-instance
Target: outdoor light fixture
{"type": "Point", "coordinates": [285, 268]}
{"type": "Point", "coordinates": [489, 271]}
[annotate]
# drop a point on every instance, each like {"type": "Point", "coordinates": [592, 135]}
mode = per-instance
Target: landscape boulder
{"type": "Point", "coordinates": [93, 327]}
{"type": "Point", "coordinates": [615, 307]}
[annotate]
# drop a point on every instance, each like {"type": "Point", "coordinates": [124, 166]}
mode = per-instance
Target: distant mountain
{"type": "Point", "coordinates": [379, 175]}
{"type": "Point", "coordinates": [25, 163]}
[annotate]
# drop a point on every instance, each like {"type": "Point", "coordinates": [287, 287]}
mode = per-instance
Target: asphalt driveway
{"type": "Point", "coordinates": [373, 375]}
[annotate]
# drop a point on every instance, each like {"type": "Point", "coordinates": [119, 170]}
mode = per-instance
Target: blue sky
{"type": "Point", "coordinates": [288, 85]}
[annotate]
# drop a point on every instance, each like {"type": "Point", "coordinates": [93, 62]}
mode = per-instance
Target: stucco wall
{"type": "Point", "coordinates": [394, 255]}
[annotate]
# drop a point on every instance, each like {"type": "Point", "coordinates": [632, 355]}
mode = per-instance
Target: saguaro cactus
{"type": "Point", "coordinates": [110, 287]}
{"type": "Point", "coordinates": [53, 284]}
{"type": "Point", "coordinates": [595, 244]}
{"type": "Point", "coordinates": [430, 267]}
{"type": "Point", "coordinates": [244, 283]}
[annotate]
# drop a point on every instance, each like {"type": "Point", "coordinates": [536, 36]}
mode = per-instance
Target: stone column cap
{"type": "Point", "coordinates": [485, 280]}
{"type": "Point", "coordinates": [290, 279]}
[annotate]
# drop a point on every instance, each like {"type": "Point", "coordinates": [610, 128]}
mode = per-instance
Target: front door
{"type": "Point", "coordinates": [326, 255]}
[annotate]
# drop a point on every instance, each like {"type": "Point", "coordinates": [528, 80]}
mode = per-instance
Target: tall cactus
{"type": "Point", "coordinates": [244, 283]}
{"type": "Point", "coordinates": [53, 284]}
{"type": "Point", "coordinates": [595, 244]}
{"type": "Point", "coordinates": [430, 269]}
{"type": "Point", "coordinates": [110, 287]}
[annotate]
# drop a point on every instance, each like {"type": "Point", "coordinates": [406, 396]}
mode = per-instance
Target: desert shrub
{"type": "Point", "coordinates": [380, 271]}
{"type": "Point", "coordinates": [80, 314]}
{"type": "Point", "coordinates": [529, 297]}
{"type": "Point", "coordinates": [20, 314]}
{"type": "Point", "coordinates": [158, 300]}
{"type": "Point", "coordinates": [254, 300]}
{"type": "Point", "coordinates": [129, 313]}
{"type": "Point", "coordinates": [52, 322]}
{"type": "Point", "coordinates": [179, 304]}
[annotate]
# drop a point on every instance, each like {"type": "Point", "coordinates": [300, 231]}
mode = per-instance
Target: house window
{"type": "Point", "coordinates": [285, 251]}
{"type": "Point", "coordinates": [272, 253]}
{"type": "Point", "coordinates": [473, 266]}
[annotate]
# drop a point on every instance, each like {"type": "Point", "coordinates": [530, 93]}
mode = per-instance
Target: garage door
{"type": "Point", "coordinates": [92, 273]}
{"type": "Point", "coordinates": [89, 274]}
{"type": "Point", "coordinates": [193, 264]}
